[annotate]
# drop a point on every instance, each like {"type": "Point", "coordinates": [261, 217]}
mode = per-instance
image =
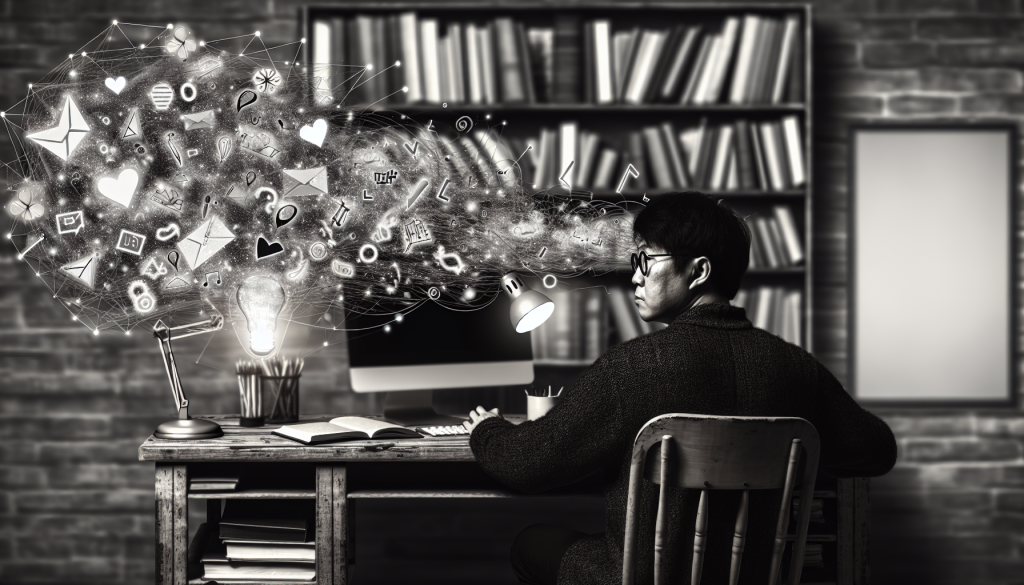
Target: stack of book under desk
{"type": "Point", "coordinates": [265, 540]}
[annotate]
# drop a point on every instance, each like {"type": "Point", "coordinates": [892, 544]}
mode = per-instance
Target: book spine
{"type": "Point", "coordinates": [589, 64]}
{"type": "Point", "coordinates": [795, 81]}
{"type": "Point", "coordinates": [778, 243]}
{"type": "Point", "coordinates": [643, 65]}
{"type": "Point", "coordinates": [603, 62]}
{"type": "Point", "coordinates": [771, 62]}
{"type": "Point", "coordinates": [682, 180]}
{"type": "Point", "coordinates": [566, 79]}
{"type": "Point", "coordinates": [364, 38]}
{"type": "Point", "coordinates": [724, 62]}
{"type": "Point", "coordinates": [589, 143]}
{"type": "Point", "coordinates": [378, 41]}
{"type": "Point", "coordinates": [757, 257]}
{"type": "Point", "coordinates": [526, 69]}
{"type": "Point", "coordinates": [639, 158]}
{"type": "Point", "coordinates": [744, 155]}
{"type": "Point", "coordinates": [603, 176]}
{"type": "Point", "coordinates": [411, 56]}
{"type": "Point", "coordinates": [772, 156]}
{"type": "Point", "coordinates": [444, 69]}
{"type": "Point", "coordinates": [764, 234]}
{"type": "Point", "coordinates": [596, 325]}
{"type": "Point", "coordinates": [697, 73]}
{"type": "Point", "coordinates": [790, 233]}
{"type": "Point", "coordinates": [568, 152]}
{"type": "Point", "coordinates": [488, 64]}
{"type": "Point", "coordinates": [739, 92]}
{"type": "Point", "coordinates": [322, 55]}
{"type": "Point", "coordinates": [762, 319]}
{"type": "Point", "coordinates": [794, 150]}
{"type": "Point", "coordinates": [431, 66]}
{"type": "Point", "coordinates": [789, 39]}
{"type": "Point", "coordinates": [509, 68]}
{"type": "Point", "coordinates": [719, 166]}
{"type": "Point", "coordinates": [474, 69]}
{"type": "Point", "coordinates": [658, 158]}
{"type": "Point", "coordinates": [702, 95]}
{"type": "Point", "coordinates": [675, 74]}
{"type": "Point", "coordinates": [457, 62]}
{"type": "Point", "coordinates": [663, 61]}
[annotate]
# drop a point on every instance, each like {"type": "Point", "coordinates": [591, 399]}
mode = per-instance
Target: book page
{"type": "Point", "coordinates": [366, 425]}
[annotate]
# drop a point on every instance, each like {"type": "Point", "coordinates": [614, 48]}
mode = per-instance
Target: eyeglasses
{"type": "Point", "coordinates": [642, 261]}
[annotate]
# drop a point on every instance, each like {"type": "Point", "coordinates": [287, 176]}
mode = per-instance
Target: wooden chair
{"type": "Point", "coordinates": [722, 453]}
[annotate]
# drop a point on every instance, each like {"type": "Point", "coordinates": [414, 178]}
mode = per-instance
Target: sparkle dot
{"type": "Point", "coordinates": [398, 63]}
{"type": "Point", "coordinates": [74, 318]}
{"type": "Point", "coordinates": [369, 66]}
{"type": "Point", "coordinates": [387, 329]}
{"type": "Point", "coordinates": [202, 43]}
{"type": "Point", "coordinates": [325, 344]}
{"type": "Point", "coordinates": [303, 41]}
{"type": "Point", "coordinates": [142, 46]}
{"type": "Point", "coordinates": [95, 331]}
{"type": "Point", "coordinates": [170, 26]}
{"type": "Point", "coordinates": [257, 33]}
{"type": "Point", "coordinates": [406, 90]}
{"type": "Point", "coordinates": [70, 55]}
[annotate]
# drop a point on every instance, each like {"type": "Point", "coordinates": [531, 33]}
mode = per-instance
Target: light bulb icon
{"type": "Point", "coordinates": [261, 299]}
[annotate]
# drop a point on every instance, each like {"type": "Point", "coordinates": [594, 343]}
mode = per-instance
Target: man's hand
{"type": "Point", "coordinates": [475, 416]}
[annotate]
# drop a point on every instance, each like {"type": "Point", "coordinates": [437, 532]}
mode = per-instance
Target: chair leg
{"type": "Point", "coordinates": [739, 538]}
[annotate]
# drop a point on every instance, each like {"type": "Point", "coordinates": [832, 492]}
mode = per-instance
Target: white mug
{"type": "Point", "coordinates": [538, 406]}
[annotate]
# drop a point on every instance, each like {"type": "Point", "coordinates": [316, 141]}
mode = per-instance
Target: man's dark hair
{"type": "Point", "coordinates": [693, 224]}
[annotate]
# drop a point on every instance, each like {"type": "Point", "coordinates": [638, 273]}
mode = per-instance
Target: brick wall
{"type": "Point", "coordinates": [76, 506]}
{"type": "Point", "coordinates": [953, 509]}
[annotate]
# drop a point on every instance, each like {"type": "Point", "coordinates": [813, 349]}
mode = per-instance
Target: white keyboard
{"type": "Point", "coordinates": [443, 431]}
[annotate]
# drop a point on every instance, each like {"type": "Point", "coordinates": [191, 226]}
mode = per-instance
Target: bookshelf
{"type": "Point", "coordinates": [561, 76]}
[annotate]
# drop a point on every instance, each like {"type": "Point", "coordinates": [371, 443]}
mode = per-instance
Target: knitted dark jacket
{"type": "Point", "coordinates": [710, 360]}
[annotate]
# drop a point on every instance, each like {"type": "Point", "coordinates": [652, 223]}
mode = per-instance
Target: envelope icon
{"type": "Point", "coordinates": [199, 121]}
{"type": "Point", "coordinates": [299, 182]}
{"type": "Point", "coordinates": [208, 239]}
{"type": "Point", "coordinates": [65, 137]}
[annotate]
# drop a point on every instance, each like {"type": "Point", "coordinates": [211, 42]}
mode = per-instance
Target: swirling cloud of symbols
{"type": "Point", "coordinates": [172, 179]}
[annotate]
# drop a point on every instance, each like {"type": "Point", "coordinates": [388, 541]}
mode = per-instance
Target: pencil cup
{"type": "Point", "coordinates": [538, 406]}
{"type": "Point", "coordinates": [250, 392]}
{"type": "Point", "coordinates": [281, 398]}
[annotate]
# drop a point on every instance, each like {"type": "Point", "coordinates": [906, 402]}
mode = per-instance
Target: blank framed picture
{"type": "Point", "coordinates": [932, 246]}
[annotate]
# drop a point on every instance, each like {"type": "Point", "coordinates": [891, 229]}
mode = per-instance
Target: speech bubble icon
{"type": "Point", "coordinates": [70, 223]}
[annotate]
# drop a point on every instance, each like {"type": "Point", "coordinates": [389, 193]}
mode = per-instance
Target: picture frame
{"type": "Point", "coordinates": [932, 314]}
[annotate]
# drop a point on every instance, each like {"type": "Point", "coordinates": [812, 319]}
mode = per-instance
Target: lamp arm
{"type": "Point", "coordinates": [163, 335]}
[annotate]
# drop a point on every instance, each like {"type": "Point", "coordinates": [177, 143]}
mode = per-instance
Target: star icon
{"type": "Point", "coordinates": [65, 137]}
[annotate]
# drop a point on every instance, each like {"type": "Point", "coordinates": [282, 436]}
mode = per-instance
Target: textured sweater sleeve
{"type": "Point", "coordinates": [577, 437]}
{"type": "Point", "coordinates": [854, 442]}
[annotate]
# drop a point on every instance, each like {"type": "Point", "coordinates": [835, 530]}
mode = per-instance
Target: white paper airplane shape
{"type": "Point", "coordinates": [133, 127]}
{"type": "Point", "coordinates": [83, 270]}
{"type": "Point", "coordinates": [210, 238]}
{"type": "Point", "coordinates": [65, 137]}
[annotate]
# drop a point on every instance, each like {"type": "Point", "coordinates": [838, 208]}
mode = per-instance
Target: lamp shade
{"type": "Point", "coordinates": [529, 307]}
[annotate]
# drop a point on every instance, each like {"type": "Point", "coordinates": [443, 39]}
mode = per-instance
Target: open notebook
{"type": "Point", "coordinates": [345, 428]}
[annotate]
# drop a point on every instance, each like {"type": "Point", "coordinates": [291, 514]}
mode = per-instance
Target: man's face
{"type": "Point", "coordinates": [663, 293]}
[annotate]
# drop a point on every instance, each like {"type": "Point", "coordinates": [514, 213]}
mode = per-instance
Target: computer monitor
{"type": "Point", "coordinates": [433, 347]}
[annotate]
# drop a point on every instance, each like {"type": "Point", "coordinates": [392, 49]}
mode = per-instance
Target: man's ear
{"type": "Point", "coordinates": [700, 271]}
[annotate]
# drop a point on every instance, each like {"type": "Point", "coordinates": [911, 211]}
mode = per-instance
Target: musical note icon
{"type": "Point", "coordinates": [208, 274]}
{"type": "Point", "coordinates": [630, 172]}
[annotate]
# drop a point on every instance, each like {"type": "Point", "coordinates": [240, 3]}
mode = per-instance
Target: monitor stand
{"type": "Point", "coordinates": [415, 408]}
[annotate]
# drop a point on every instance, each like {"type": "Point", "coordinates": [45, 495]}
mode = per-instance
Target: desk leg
{"type": "Point", "coordinates": [324, 525]}
{"type": "Point", "coordinates": [171, 524]}
{"type": "Point", "coordinates": [341, 524]}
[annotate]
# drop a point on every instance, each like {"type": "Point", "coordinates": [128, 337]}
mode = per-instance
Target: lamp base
{"type": "Point", "coordinates": [188, 429]}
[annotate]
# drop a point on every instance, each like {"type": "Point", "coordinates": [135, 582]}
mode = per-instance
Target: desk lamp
{"type": "Point", "coordinates": [529, 308]}
{"type": "Point", "coordinates": [184, 427]}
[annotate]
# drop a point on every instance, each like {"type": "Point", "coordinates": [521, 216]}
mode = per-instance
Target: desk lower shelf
{"type": "Point", "coordinates": [195, 565]}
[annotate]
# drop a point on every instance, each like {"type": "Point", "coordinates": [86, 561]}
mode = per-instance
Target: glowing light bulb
{"type": "Point", "coordinates": [261, 299]}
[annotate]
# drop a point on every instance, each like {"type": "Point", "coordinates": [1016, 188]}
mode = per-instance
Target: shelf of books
{"type": "Point", "coordinates": [714, 97]}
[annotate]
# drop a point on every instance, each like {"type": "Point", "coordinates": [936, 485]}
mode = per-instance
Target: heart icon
{"type": "Point", "coordinates": [265, 249]}
{"type": "Point", "coordinates": [122, 189]}
{"type": "Point", "coordinates": [315, 133]}
{"type": "Point", "coordinates": [115, 85]}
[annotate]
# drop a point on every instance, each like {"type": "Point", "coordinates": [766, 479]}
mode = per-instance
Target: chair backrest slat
{"type": "Point", "coordinates": [660, 524]}
{"type": "Point", "coordinates": [712, 453]}
{"type": "Point", "coordinates": [700, 536]}
{"type": "Point", "coordinates": [739, 537]}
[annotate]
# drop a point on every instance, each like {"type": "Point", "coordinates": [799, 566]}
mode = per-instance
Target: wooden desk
{"type": "Point", "coordinates": [174, 555]}
{"type": "Point", "coordinates": [338, 475]}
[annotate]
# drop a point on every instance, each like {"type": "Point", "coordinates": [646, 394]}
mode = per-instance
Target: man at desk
{"type": "Point", "coordinates": [692, 254]}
